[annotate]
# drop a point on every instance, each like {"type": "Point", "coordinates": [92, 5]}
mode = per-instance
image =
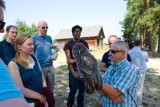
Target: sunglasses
{"type": "Point", "coordinates": [114, 51]}
{"type": "Point", "coordinates": [44, 27]}
{"type": "Point", "coordinates": [2, 24]}
{"type": "Point", "coordinates": [110, 43]}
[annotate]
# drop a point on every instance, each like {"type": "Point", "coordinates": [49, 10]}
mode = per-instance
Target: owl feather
{"type": "Point", "coordinates": [87, 65]}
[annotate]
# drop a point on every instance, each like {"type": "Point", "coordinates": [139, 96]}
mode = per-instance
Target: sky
{"type": "Point", "coordinates": [64, 14]}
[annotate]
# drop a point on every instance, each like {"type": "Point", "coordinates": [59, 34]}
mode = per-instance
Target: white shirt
{"type": "Point", "coordinates": [139, 59]}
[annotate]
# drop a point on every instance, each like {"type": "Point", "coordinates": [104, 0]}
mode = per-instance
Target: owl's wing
{"type": "Point", "coordinates": [87, 64]}
{"type": "Point", "coordinates": [88, 67]}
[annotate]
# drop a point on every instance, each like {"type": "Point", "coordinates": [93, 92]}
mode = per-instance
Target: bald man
{"type": "Point", "coordinates": [120, 81]}
{"type": "Point", "coordinates": [42, 50]}
{"type": "Point", "coordinates": [106, 59]}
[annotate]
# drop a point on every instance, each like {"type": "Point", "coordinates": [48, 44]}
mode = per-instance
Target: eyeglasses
{"type": "Point", "coordinates": [44, 27]}
{"type": "Point", "coordinates": [110, 43]}
{"type": "Point", "coordinates": [114, 51]}
{"type": "Point", "coordinates": [2, 24]}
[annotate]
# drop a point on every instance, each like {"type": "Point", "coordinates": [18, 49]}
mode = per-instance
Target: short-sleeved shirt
{"type": "Point", "coordinates": [123, 76]}
{"type": "Point", "coordinates": [69, 45]}
{"type": "Point", "coordinates": [8, 87]}
{"type": "Point", "coordinates": [107, 59]}
{"type": "Point", "coordinates": [42, 49]}
{"type": "Point", "coordinates": [7, 52]}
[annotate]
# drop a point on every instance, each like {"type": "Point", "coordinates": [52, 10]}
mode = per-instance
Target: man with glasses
{"type": "Point", "coordinates": [7, 47]}
{"type": "Point", "coordinates": [106, 59]}
{"type": "Point", "coordinates": [120, 81]}
{"type": "Point", "coordinates": [10, 94]}
{"type": "Point", "coordinates": [42, 50]}
{"type": "Point", "coordinates": [75, 76]}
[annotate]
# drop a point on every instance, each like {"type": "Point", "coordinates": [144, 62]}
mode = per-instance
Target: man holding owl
{"type": "Point", "coordinates": [74, 74]}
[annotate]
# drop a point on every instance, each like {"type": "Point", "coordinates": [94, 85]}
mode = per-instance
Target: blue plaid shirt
{"type": "Point", "coordinates": [125, 77]}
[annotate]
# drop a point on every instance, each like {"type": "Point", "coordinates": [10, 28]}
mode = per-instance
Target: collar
{"type": "Point", "coordinates": [119, 64]}
{"type": "Point", "coordinates": [7, 43]}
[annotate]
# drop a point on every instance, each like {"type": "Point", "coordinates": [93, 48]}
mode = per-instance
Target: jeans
{"type": "Point", "coordinates": [140, 89]}
{"type": "Point", "coordinates": [49, 76]}
{"type": "Point", "coordinates": [75, 85]}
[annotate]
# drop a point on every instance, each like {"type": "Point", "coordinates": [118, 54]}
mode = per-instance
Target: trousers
{"type": "Point", "coordinates": [75, 85]}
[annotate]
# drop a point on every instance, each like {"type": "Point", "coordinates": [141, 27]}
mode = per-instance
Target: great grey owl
{"type": "Point", "coordinates": [87, 65]}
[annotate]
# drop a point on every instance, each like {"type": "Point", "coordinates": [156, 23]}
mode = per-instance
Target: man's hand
{"type": "Point", "coordinates": [54, 56]}
{"type": "Point", "coordinates": [71, 61]}
{"type": "Point", "coordinates": [75, 75]}
{"type": "Point", "coordinates": [118, 100]}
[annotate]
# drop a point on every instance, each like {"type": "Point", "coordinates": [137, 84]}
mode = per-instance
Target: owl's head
{"type": "Point", "coordinates": [79, 49]}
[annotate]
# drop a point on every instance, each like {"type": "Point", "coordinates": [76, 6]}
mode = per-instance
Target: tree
{"type": "Point", "coordinates": [23, 28]}
{"type": "Point", "coordinates": [143, 20]}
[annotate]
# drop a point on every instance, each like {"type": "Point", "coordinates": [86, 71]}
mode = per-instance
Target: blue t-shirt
{"type": "Point", "coordinates": [8, 88]}
{"type": "Point", "coordinates": [42, 49]}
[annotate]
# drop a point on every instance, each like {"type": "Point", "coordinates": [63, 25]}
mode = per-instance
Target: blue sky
{"type": "Point", "coordinates": [63, 14]}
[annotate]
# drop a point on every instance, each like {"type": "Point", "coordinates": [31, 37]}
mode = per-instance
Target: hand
{"type": "Point", "coordinates": [118, 100]}
{"type": "Point", "coordinates": [42, 98]}
{"type": "Point", "coordinates": [75, 75]}
{"type": "Point", "coordinates": [54, 56]}
{"type": "Point", "coordinates": [71, 61]}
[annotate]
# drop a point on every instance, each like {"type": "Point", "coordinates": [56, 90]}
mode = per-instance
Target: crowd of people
{"type": "Point", "coordinates": [28, 76]}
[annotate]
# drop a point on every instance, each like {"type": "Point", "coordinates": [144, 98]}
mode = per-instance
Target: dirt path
{"type": "Point", "coordinates": [151, 93]}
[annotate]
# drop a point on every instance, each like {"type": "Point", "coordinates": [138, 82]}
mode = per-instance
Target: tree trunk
{"type": "Point", "coordinates": [151, 45]}
{"type": "Point", "coordinates": [142, 37]}
{"type": "Point", "coordinates": [159, 36]}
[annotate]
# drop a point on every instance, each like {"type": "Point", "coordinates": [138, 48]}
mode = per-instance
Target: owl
{"type": "Point", "coordinates": [87, 65]}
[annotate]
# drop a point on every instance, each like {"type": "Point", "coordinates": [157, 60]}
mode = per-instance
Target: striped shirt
{"type": "Point", "coordinates": [125, 77]}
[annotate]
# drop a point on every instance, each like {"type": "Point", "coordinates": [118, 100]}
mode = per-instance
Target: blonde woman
{"type": "Point", "coordinates": [26, 71]}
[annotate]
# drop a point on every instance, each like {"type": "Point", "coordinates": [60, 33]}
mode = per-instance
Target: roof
{"type": "Point", "coordinates": [91, 31]}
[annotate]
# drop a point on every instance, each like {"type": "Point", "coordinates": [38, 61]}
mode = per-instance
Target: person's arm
{"type": "Point", "coordinates": [109, 91]}
{"type": "Point", "coordinates": [70, 62]}
{"type": "Point", "coordinates": [146, 56]}
{"type": "Point", "coordinates": [54, 56]}
{"type": "Point", "coordinates": [43, 79]}
{"type": "Point", "coordinates": [13, 68]}
{"type": "Point", "coordinates": [103, 67]}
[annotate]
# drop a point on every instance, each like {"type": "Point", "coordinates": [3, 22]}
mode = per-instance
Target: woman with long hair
{"type": "Point", "coordinates": [26, 70]}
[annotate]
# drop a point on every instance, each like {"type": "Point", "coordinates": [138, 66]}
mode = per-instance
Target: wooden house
{"type": "Point", "coordinates": [93, 35]}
